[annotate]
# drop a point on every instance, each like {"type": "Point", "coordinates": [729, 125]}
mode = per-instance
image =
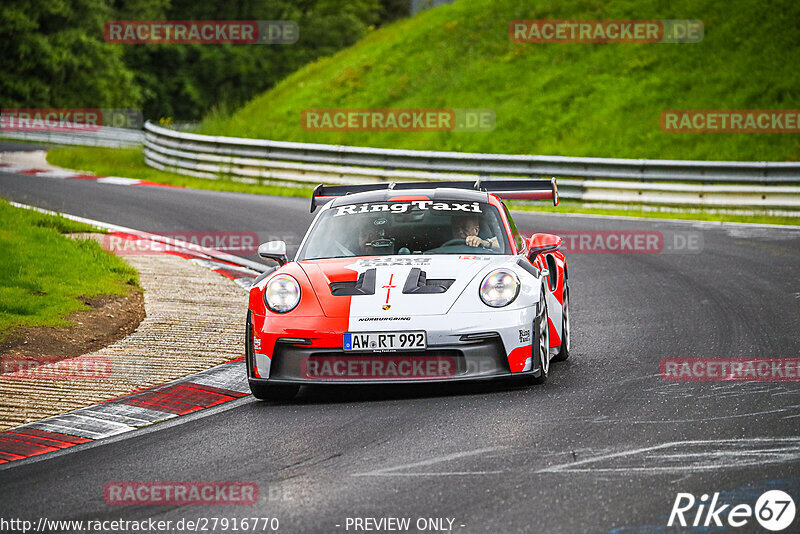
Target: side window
{"type": "Point", "coordinates": [518, 239]}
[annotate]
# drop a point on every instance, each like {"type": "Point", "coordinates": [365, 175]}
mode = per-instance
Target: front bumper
{"type": "Point", "coordinates": [466, 346]}
{"type": "Point", "coordinates": [477, 360]}
{"type": "Point", "coordinates": [441, 363]}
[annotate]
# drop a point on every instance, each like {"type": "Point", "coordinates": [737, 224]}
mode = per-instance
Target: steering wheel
{"type": "Point", "coordinates": [451, 242]}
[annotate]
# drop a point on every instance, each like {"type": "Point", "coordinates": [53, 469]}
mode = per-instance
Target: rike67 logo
{"type": "Point", "coordinates": [774, 510]}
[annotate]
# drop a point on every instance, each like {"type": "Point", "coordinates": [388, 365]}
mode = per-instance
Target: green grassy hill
{"type": "Point", "coordinates": [566, 99]}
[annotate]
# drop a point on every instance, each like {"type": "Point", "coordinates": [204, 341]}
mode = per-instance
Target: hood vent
{"type": "Point", "coordinates": [365, 285]}
{"type": "Point", "coordinates": [417, 282]}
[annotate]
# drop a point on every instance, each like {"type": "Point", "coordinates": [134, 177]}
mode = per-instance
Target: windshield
{"type": "Point", "coordinates": [408, 227]}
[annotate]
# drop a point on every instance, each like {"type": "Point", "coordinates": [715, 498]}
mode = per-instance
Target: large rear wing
{"type": "Point", "coordinates": [505, 189]}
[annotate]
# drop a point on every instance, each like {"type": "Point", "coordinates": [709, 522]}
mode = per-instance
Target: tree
{"type": "Point", "coordinates": [52, 54]}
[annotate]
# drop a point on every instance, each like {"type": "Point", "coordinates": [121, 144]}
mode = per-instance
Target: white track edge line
{"type": "Point", "coordinates": [212, 253]}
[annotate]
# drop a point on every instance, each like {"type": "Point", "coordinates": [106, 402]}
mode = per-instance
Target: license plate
{"type": "Point", "coordinates": [384, 341]}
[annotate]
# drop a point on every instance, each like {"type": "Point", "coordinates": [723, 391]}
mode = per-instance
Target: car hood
{"type": "Point", "coordinates": [395, 277]}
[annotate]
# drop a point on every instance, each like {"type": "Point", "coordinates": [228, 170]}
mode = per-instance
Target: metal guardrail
{"type": "Point", "coordinates": [664, 182]}
{"type": "Point", "coordinates": [106, 136]}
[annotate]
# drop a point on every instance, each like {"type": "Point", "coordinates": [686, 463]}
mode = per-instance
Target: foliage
{"type": "Point", "coordinates": [53, 54]}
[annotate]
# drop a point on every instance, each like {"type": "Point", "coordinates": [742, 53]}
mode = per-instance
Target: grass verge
{"type": "Point", "coordinates": [129, 163]}
{"type": "Point", "coordinates": [44, 275]}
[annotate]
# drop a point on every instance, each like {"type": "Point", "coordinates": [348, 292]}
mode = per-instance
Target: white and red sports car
{"type": "Point", "coordinates": [411, 282]}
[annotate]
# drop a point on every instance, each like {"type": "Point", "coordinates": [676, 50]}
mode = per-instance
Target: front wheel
{"type": "Point", "coordinates": [282, 392]}
{"type": "Point", "coordinates": [541, 345]}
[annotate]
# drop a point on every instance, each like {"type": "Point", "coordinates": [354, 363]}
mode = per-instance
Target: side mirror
{"type": "Point", "coordinates": [273, 250]}
{"type": "Point", "coordinates": [541, 243]}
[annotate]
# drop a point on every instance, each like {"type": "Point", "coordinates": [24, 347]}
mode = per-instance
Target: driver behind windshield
{"type": "Point", "coordinates": [467, 227]}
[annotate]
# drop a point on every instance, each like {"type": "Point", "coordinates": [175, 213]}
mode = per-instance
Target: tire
{"type": "Point", "coordinates": [273, 392]}
{"type": "Point", "coordinates": [543, 344]}
{"type": "Point", "coordinates": [563, 351]}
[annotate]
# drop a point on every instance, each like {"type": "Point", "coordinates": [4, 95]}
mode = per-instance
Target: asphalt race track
{"type": "Point", "coordinates": [604, 445]}
{"type": "Point", "coordinates": [10, 146]}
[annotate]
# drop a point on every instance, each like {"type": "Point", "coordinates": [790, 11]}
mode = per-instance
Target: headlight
{"type": "Point", "coordinates": [282, 293]}
{"type": "Point", "coordinates": [499, 288]}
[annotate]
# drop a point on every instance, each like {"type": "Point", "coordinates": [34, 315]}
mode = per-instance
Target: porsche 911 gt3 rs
{"type": "Point", "coordinates": [410, 282]}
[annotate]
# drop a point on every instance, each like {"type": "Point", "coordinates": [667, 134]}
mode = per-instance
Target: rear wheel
{"type": "Point", "coordinates": [274, 392]}
{"type": "Point", "coordinates": [563, 351]}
